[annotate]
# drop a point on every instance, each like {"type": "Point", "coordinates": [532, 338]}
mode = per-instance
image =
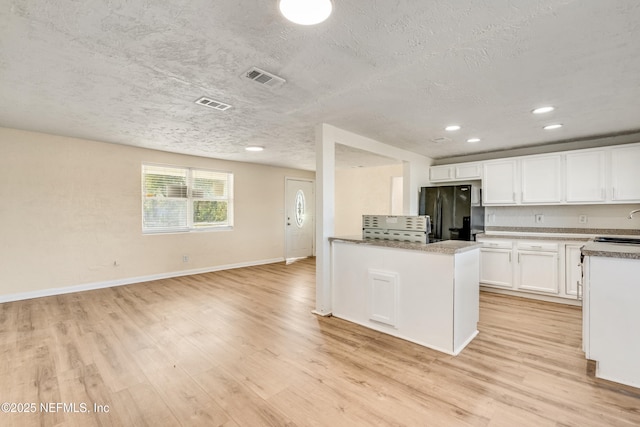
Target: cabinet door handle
{"type": "Point", "coordinates": [536, 247]}
{"type": "Point", "coordinates": [509, 257]}
{"type": "Point", "coordinates": [579, 290]}
{"type": "Point", "coordinates": [518, 257]}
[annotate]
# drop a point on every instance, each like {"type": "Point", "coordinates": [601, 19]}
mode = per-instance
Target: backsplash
{"type": "Point", "coordinates": [597, 216]}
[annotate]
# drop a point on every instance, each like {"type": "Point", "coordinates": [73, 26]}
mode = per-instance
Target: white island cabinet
{"type": "Point", "coordinates": [424, 293]}
{"type": "Point", "coordinates": [611, 317]}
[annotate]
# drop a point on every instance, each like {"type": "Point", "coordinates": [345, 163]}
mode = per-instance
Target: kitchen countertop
{"type": "Point", "coordinates": [558, 230]}
{"type": "Point", "coordinates": [591, 248]}
{"type": "Point", "coordinates": [611, 250]}
{"type": "Point", "coordinates": [529, 236]}
{"type": "Point", "coordinates": [448, 247]}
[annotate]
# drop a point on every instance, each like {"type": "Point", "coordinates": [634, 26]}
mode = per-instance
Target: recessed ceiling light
{"type": "Point", "coordinates": [543, 110]}
{"type": "Point", "coordinates": [452, 128]}
{"type": "Point", "coordinates": [473, 140]}
{"type": "Point", "coordinates": [551, 127]}
{"type": "Point", "coordinates": [254, 148]}
{"type": "Point", "coordinates": [306, 12]}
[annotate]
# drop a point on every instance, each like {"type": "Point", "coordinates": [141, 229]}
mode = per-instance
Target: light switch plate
{"type": "Point", "coordinates": [582, 219]}
{"type": "Point", "coordinates": [539, 218]}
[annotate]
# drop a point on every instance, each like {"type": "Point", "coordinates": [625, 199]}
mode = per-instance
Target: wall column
{"type": "Point", "coordinates": [325, 215]}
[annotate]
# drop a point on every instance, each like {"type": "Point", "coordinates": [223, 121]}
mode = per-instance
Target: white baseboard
{"type": "Point", "coordinates": [530, 295]}
{"type": "Point", "coordinates": [129, 281]}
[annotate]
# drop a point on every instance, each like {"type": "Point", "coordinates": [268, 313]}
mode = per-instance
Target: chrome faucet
{"type": "Point", "coordinates": [632, 212]}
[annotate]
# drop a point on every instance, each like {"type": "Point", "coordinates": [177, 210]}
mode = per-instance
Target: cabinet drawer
{"type": "Point", "coordinates": [538, 246]}
{"type": "Point", "coordinates": [496, 244]}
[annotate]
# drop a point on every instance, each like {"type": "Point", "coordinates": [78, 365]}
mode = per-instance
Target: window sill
{"type": "Point", "coordinates": [194, 230]}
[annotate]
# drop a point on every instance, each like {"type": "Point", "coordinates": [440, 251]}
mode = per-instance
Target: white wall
{"type": "Point", "coordinates": [362, 191]}
{"type": "Point", "coordinates": [598, 216]}
{"type": "Point", "coordinates": [72, 207]}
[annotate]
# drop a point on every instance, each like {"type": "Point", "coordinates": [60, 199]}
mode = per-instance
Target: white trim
{"type": "Point", "coordinates": [129, 281]}
{"type": "Point", "coordinates": [321, 314]}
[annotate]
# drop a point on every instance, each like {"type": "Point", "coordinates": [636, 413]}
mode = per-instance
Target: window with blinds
{"type": "Point", "coordinates": [176, 199]}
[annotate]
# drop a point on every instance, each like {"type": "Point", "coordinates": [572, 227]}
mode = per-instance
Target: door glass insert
{"type": "Point", "coordinates": [300, 208]}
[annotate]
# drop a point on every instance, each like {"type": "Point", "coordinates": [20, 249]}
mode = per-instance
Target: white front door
{"type": "Point", "coordinates": [299, 216]}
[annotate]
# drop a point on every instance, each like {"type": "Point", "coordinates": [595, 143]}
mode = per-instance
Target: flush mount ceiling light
{"type": "Point", "coordinates": [473, 140]}
{"type": "Point", "coordinates": [452, 128]}
{"type": "Point", "coordinates": [306, 12]}
{"type": "Point", "coordinates": [254, 148]}
{"type": "Point", "coordinates": [554, 126]}
{"type": "Point", "coordinates": [543, 110]}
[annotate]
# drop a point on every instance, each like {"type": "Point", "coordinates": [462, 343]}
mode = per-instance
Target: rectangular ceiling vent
{"type": "Point", "coordinates": [216, 105]}
{"type": "Point", "coordinates": [264, 78]}
{"type": "Point", "coordinates": [440, 140]}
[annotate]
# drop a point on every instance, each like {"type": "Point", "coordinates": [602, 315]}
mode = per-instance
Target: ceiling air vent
{"type": "Point", "coordinates": [440, 140]}
{"type": "Point", "coordinates": [216, 105]}
{"type": "Point", "coordinates": [264, 78]}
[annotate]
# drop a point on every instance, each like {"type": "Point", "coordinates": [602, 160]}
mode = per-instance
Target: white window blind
{"type": "Point", "coordinates": [176, 199]}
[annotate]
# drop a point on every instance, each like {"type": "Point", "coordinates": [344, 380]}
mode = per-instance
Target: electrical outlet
{"type": "Point", "coordinates": [185, 258]}
{"type": "Point", "coordinates": [539, 218]}
{"type": "Point", "coordinates": [582, 219]}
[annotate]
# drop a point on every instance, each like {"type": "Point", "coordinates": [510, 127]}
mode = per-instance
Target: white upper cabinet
{"type": "Point", "coordinates": [499, 182]}
{"type": "Point", "coordinates": [468, 171]}
{"type": "Point", "coordinates": [590, 176]}
{"type": "Point", "coordinates": [585, 176]}
{"type": "Point", "coordinates": [458, 172]}
{"type": "Point", "coordinates": [625, 174]}
{"type": "Point", "coordinates": [541, 179]}
{"type": "Point", "coordinates": [441, 173]}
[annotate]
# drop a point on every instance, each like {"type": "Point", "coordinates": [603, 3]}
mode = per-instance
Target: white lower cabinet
{"type": "Point", "coordinates": [531, 266]}
{"type": "Point", "coordinates": [496, 268]}
{"type": "Point", "coordinates": [537, 267]}
{"type": "Point", "coordinates": [572, 270]}
{"type": "Point", "coordinates": [611, 318]}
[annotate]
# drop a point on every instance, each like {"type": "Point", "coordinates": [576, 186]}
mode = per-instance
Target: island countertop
{"type": "Point", "coordinates": [611, 250]}
{"type": "Point", "coordinates": [448, 247]}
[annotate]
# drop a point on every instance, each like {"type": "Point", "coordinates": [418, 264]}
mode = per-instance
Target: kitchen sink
{"type": "Point", "coordinates": [619, 240]}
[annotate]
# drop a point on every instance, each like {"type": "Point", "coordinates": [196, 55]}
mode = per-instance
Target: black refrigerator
{"type": "Point", "coordinates": [452, 215]}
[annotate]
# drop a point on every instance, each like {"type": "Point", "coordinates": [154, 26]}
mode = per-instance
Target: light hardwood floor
{"type": "Point", "coordinates": [242, 348]}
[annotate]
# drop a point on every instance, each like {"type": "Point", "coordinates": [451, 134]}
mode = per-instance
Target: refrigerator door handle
{"type": "Point", "coordinates": [439, 210]}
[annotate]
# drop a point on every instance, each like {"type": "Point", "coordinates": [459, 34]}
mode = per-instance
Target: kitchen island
{"type": "Point", "coordinates": [424, 293]}
{"type": "Point", "coordinates": [610, 310]}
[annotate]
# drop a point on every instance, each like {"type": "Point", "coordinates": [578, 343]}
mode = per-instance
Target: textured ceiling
{"type": "Point", "coordinates": [398, 71]}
